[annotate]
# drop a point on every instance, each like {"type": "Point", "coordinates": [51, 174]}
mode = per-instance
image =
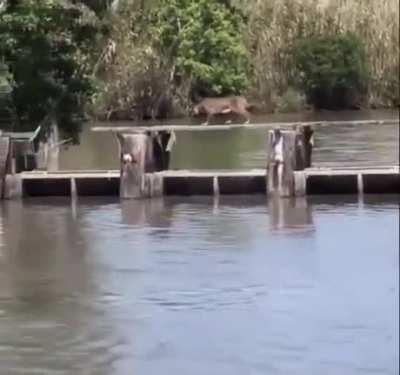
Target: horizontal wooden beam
{"type": "Point", "coordinates": [186, 182]}
{"type": "Point", "coordinates": [271, 125]}
{"type": "Point", "coordinates": [114, 173]}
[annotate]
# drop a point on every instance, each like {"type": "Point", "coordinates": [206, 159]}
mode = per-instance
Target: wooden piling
{"type": "Point", "coordinates": [4, 157]}
{"type": "Point", "coordinates": [162, 147]}
{"type": "Point", "coordinates": [140, 154]}
{"type": "Point", "coordinates": [288, 151]}
{"type": "Point", "coordinates": [303, 146]}
{"type": "Point", "coordinates": [133, 153]}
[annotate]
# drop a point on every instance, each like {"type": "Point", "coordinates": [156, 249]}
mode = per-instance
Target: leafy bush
{"type": "Point", "coordinates": [44, 44]}
{"type": "Point", "coordinates": [204, 40]}
{"type": "Point", "coordinates": [7, 110]}
{"type": "Point", "coordinates": [275, 26]}
{"type": "Point", "coordinates": [332, 70]}
{"type": "Point", "coordinates": [291, 101]}
{"type": "Point", "coordinates": [132, 78]}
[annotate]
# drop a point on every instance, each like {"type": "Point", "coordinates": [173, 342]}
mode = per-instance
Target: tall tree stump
{"type": "Point", "coordinates": [140, 154]}
{"type": "Point", "coordinates": [134, 150]}
{"type": "Point", "coordinates": [288, 151]}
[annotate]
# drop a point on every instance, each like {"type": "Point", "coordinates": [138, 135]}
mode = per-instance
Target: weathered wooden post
{"type": "Point", "coordinates": [143, 153]}
{"type": "Point", "coordinates": [163, 142]}
{"type": "Point", "coordinates": [133, 152]}
{"type": "Point", "coordinates": [11, 182]}
{"type": "Point", "coordinates": [4, 157]}
{"type": "Point", "coordinates": [53, 141]}
{"type": "Point", "coordinates": [304, 144]}
{"type": "Point", "coordinates": [308, 134]}
{"type": "Point", "coordinates": [288, 151]}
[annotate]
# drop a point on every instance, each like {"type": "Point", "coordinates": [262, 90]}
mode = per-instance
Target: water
{"type": "Point", "coordinates": [347, 145]}
{"type": "Point", "coordinates": [235, 285]}
{"type": "Point", "coordinates": [200, 286]}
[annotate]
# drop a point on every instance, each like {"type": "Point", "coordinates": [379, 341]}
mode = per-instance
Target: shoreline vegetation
{"type": "Point", "coordinates": [138, 60]}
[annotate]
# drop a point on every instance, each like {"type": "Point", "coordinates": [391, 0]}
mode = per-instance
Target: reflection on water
{"type": "Point", "coordinates": [200, 286]}
{"type": "Point", "coordinates": [291, 214]}
{"type": "Point", "coordinates": [235, 149]}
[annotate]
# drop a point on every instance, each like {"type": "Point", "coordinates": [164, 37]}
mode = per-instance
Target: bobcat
{"type": "Point", "coordinates": [215, 106]}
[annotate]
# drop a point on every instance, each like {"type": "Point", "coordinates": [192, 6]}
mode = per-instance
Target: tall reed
{"type": "Point", "coordinates": [276, 25]}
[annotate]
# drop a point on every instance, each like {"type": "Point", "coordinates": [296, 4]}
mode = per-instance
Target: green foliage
{"type": "Point", "coordinates": [100, 7]}
{"type": "Point", "coordinates": [7, 111]}
{"type": "Point", "coordinates": [332, 70]}
{"type": "Point", "coordinates": [45, 44]}
{"type": "Point", "coordinates": [389, 87]}
{"type": "Point", "coordinates": [140, 58]}
{"type": "Point", "coordinates": [204, 40]}
{"type": "Point", "coordinates": [291, 101]}
{"type": "Point", "coordinates": [130, 73]}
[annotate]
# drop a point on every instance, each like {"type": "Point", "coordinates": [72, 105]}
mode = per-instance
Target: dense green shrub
{"type": "Point", "coordinates": [131, 76]}
{"type": "Point", "coordinates": [44, 45]}
{"type": "Point", "coordinates": [275, 26]}
{"type": "Point", "coordinates": [204, 41]}
{"type": "Point", "coordinates": [332, 70]}
{"type": "Point", "coordinates": [291, 101]}
{"type": "Point", "coordinates": [7, 110]}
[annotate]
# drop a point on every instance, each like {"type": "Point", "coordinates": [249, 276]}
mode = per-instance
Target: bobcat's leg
{"type": "Point", "coordinates": [246, 114]}
{"type": "Point", "coordinates": [209, 115]}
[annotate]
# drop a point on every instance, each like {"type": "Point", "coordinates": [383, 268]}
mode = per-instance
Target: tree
{"type": "Point", "coordinates": [203, 39]}
{"type": "Point", "coordinates": [333, 70]}
{"type": "Point", "coordinates": [46, 45]}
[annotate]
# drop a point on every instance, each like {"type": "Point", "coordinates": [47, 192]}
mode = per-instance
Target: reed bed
{"type": "Point", "coordinates": [276, 25]}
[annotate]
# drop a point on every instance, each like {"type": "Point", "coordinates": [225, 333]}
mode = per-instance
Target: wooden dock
{"type": "Point", "coordinates": [382, 180]}
{"type": "Point", "coordinates": [144, 153]}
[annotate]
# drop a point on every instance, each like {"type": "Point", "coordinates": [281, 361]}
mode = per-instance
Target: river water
{"type": "Point", "coordinates": [348, 144]}
{"type": "Point", "coordinates": [197, 285]}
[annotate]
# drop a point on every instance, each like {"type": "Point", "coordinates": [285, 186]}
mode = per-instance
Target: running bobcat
{"type": "Point", "coordinates": [215, 106]}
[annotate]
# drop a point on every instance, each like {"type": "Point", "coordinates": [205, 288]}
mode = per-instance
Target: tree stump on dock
{"type": "Point", "coordinates": [288, 151]}
{"type": "Point", "coordinates": [140, 154]}
{"type": "Point", "coordinates": [133, 153]}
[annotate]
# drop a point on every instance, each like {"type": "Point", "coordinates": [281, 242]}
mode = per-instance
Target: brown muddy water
{"type": "Point", "coordinates": [238, 285]}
